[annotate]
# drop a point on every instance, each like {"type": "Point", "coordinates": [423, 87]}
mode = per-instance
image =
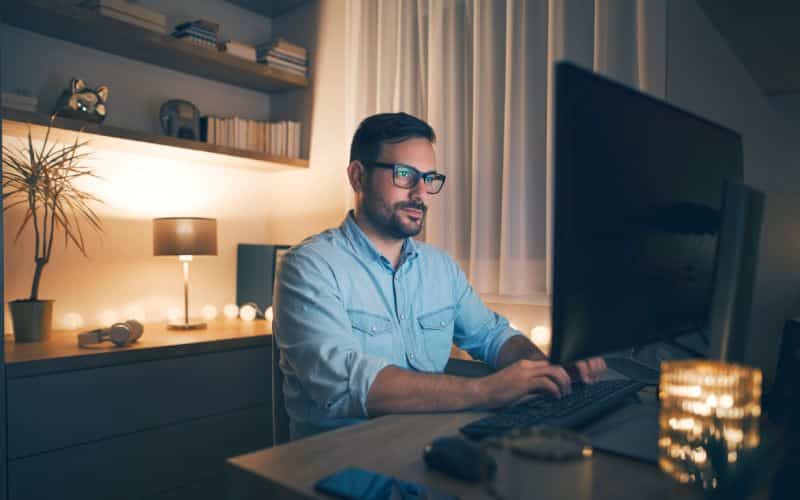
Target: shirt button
{"type": "Point", "coordinates": [402, 316]}
{"type": "Point", "coordinates": [411, 355]}
{"type": "Point", "coordinates": [373, 328]}
{"type": "Point", "coordinates": [396, 277]}
{"type": "Point", "coordinates": [441, 323]}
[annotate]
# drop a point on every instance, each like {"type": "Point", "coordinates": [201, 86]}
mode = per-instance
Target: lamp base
{"type": "Point", "coordinates": [186, 326]}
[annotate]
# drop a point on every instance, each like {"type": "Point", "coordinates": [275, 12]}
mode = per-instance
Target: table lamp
{"type": "Point", "coordinates": [185, 237]}
{"type": "Point", "coordinates": [709, 419]}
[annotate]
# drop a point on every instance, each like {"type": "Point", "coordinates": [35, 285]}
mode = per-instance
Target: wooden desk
{"type": "Point", "coordinates": [393, 445]}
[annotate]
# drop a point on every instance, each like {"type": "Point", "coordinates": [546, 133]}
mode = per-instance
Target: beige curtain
{"type": "Point", "coordinates": [479, 72]}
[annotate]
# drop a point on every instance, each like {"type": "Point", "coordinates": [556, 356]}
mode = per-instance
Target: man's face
{"type": "Point", "coordinates": [395, 211]}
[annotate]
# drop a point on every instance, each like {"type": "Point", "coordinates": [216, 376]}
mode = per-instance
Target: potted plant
{"type": "Point", "coordinates": [43, 180]}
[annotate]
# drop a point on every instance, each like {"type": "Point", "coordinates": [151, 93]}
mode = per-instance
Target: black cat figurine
{"type": "Point", "coordinates": [82, 103]}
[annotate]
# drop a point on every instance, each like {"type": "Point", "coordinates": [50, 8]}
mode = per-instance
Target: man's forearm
{"type": "Point", "coordinates": [516, 348]}
{"type": "Point", "coordinates": [396, 390]}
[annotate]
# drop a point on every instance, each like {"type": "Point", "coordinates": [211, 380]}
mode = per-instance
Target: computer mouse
{"type": "Point", "coordinates": [459, 458]}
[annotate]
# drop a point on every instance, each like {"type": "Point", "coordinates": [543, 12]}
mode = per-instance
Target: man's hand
{"type": "Point", "coordinates": [587, 371]}
{"type": "Point", "coordinates": [520, 379]}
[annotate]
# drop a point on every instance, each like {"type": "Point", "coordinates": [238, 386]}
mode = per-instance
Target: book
{"type": "Point", "coordinates": [201, 35]}
{"type": "Point", "coordinates": [284, 45]}
{"type": "Point", "coordinates": [197, 41]}
{"type": "Point", "coordinates": [281, 62]}
{"type": "Point", "coordinates": [283, 56]}
{"type": "Point", "coordinates": [199, 24]}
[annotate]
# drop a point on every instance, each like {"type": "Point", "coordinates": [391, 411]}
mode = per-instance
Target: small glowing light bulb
{"type": "Point", "coordinates": [247, 312]}
{"type": "Point", "coordinates": [231, 311]}
{"type": "Point", "coordinates": [513, 326]}
{"type": "Point", "coordinates": [73, 321]}
{"type": "Point", "coordinates": [269, 314]}
{"type": "Point", "coordinates": [209, 312]}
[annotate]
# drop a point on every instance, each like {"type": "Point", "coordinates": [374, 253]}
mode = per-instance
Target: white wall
{"type": "Point", "coordinates": [251, 206]}
{"type": "Point", "coordinates": [704, 76]}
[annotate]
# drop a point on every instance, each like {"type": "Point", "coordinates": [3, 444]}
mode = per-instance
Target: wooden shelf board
{"type": "Point", "coordinates": [16, 123]}
{"type": "Point", "coordinates": [87, 28]}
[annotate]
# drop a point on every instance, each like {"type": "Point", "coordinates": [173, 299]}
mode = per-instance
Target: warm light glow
{"type": "Point", "coordinates": [540, 335]}
{"type": "Point", "coordinates": [134, 311]}
{"type": "Point", "coordinates": [269, 314]}
{"type": "Point", "coordinates": [73, 321]}
{"type": "Point", "coordinates": [231, 311]}
{"type": "Point", "coordinates": [513, 325]}
{"type": "Point", "coordinates": [175, 315]}
{"type": "Point", "coordinates": [209, 312]}
{"type": "Point", "coordinates": [247, 312]}
{"type": "Point", "coordinates": [108, 317]}
{"type": "Point", "coordinates": [704, 401]}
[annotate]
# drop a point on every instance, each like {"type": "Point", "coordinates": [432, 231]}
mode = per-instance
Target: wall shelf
{"type": "Point", "coordinates": [16, 123]}
{"type": "Point", "coordinates": [87, 28]}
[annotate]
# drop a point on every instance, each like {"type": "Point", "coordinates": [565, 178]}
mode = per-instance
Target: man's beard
{"type": "Point", "coordinates": [388, 218]}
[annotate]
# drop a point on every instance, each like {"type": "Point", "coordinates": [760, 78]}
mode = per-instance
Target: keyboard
{"type": "Point", "coordinates": [586, 402]}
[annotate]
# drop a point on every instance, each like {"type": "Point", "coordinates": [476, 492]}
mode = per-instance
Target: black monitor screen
{"type": "Point", "coordinates": [637, 200]}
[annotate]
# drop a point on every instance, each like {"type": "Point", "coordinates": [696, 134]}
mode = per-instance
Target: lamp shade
{"type": "Point", "coordinates": [184, 236]}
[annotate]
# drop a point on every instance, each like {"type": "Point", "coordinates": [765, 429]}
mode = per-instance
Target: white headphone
{"type": "Point", "coordinates": [121, 334]}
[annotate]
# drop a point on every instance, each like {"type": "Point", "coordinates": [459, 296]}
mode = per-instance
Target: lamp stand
{"type": "Point", "coordinates": [186, 325]}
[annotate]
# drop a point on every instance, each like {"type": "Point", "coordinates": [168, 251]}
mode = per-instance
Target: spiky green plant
{"type": "Point", "coordinates": [43, 179]}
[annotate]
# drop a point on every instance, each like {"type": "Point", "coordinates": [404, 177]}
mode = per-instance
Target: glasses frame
{"type": "Point", "coordinates": [419, 175]}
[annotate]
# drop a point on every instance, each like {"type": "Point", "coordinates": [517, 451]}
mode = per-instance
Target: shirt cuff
{"type": "Point", "coordinates": [362, 375]}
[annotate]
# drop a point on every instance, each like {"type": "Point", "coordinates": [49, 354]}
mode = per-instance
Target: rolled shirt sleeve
{"type": "Point", "coordinates": [478, 330]}
{"type": "Point", "coordinates": [315, 336]}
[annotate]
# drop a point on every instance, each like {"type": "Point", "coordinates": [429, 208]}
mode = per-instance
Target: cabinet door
{"type": "Point", "coordinates": [164, 461]}
{"type": "Point", "coordinates": [61, 410]}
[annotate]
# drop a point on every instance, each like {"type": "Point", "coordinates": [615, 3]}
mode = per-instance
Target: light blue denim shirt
{"type": "Point", "coordinates": [342, 314]}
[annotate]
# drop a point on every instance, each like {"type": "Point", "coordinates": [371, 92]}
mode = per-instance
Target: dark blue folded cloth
{"type": "Point", "coordinates": [360, 484]}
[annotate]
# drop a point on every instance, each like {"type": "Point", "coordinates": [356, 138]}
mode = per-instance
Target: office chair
{"type": "Point", "coordinates": [280, 419]}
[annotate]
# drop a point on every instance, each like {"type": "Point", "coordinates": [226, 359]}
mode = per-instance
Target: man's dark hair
{"type": "Point", "coordinates": [378, 129]}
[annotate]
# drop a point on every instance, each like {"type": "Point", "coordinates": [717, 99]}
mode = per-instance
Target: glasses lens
{"type": "Point", "coordinates": [405, 176]}
{"type": "Point", "coordinates": [434, 183]}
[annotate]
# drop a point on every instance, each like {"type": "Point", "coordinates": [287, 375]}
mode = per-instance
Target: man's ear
{"type": "Point", "coordinates": [356, 174]}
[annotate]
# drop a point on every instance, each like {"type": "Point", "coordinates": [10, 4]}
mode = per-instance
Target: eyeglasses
{"type": "Point", "coordinates": [406, 176]}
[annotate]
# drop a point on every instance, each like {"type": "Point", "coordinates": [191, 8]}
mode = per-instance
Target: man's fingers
{"type": "Point", "coordinates": [597, 366]}
{"type": "Point", "coordinates": [584, 372]}
{"type": "Point", "coordinates": [545, 384]}
{"type": "Point", "coordinates": [555, 373]}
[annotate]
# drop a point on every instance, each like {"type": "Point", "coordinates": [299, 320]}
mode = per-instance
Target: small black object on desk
{"type": "Point", "coordinates": [459, 458]}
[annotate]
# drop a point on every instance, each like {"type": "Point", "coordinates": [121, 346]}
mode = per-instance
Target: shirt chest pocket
{"type": "Point", "coordinates": [436, 328]}
{"type": "Point", "coordinates": [373, 331]}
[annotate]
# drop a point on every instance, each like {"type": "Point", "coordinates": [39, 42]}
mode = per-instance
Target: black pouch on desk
{"type": "Point", "coordinates": [361, 484]}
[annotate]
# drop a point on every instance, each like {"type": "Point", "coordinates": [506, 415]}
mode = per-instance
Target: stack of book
{"type": "Point", "coordinates": [130, 13]}
{"type": "Point", "coordinates": [201, 32]}
{"type": "Point", "coordinates": [283, 55]}
{"type": "Point", "coordinates": [239, 49]}
{"type": "Point", "coordinates": [20, 102]}
{"type": "Point", "coordinates": [276, 138]}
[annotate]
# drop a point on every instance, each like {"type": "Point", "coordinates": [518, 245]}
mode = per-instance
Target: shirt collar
{"type": "Point", "coordinates": [361, 242]}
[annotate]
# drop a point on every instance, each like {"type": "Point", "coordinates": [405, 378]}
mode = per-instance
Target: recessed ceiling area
{"type": "Point", "coordinates": [765, 35]}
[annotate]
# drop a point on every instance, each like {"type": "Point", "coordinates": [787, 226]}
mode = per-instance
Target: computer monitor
{"type": "Point", "coordinates": [638, 210]}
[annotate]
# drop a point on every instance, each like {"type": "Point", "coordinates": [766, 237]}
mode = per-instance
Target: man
{"type": "Point", "coordinates": [365, 316]}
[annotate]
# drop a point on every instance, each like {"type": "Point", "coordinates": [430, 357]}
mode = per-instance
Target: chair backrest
{"type": "Point", "coordinates": [280, 419]}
